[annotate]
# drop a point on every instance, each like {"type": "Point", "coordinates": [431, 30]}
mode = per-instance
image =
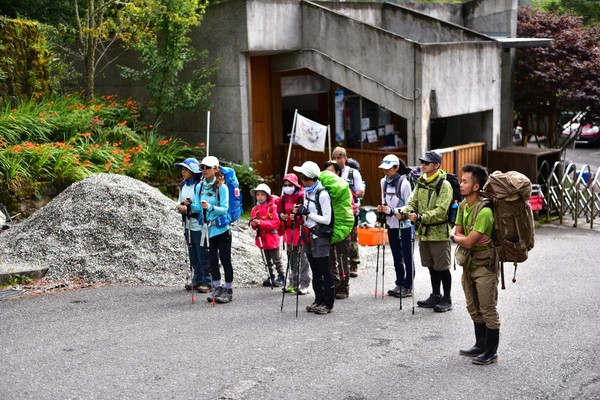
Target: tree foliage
{"type": "Point", "coordinates": [163, 44]}
{"type": "Point", "coordinates": [564, 77]}
{"type": "Point", "coordinates": [588, 9]}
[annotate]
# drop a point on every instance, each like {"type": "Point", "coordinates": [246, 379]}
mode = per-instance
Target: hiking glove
{"type": "Point", "coordinates": [303, 210]}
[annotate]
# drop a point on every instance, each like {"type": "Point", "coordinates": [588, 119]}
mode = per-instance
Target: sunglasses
{"type": "Point", "coordinates": [425, 163]}
{"type": "Point", "coordinates": [339, 156]}
{"type": "Point", "coordinates": [205, 167]}
{"type": "Point", "coordinates": [388, 162]}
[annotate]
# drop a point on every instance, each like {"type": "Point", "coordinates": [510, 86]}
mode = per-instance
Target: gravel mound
{"type": "Point", "coordinates": [113, 228]}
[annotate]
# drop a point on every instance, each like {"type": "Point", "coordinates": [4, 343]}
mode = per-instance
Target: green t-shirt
{"type": "Point", "coordinates": [484, 222]}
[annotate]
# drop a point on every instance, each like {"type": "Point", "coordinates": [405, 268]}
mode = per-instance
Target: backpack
{"type": "Point", "coordinates": [342, 218]}
{"type": "Point", "coordinates": [398, 185]}
{"type": "Point", "coordinates": [412, 174]}
{"type": "Point", "coordinates": [354, 165]}
{"type": "Point", "coordinates": [456, 197]}
{"type": "Point", "coordinates": [514, 228]}
{"type": "Point", "coordinates": [235, 198]}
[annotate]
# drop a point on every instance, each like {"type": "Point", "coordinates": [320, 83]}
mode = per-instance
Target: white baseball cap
{"type": "Point", "coordinates": [389, 161]}
{"type": "Point", "coordinates": [309, 169]}
{"type": "Point", "coordinates": [210, 161]}
{"type": "Point", "coordinates": [261, 187]}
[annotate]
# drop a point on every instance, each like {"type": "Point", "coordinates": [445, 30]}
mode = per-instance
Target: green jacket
{"type": "Point", "coordinates": [432, 208]}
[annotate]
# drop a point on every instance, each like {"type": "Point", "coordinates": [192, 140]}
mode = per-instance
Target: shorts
{"type": "Point", "coordinates": [435, 255]}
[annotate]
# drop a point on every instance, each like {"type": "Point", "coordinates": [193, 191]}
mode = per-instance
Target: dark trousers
{"type": "Point", "coordinates": [220, 248]}
{"type": "Point", "coordinates": [400, 244]}
{"type": "Point", "coordinates": [322, 280]}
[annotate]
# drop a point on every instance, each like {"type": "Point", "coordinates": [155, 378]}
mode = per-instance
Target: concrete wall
{"type": "Point", "coordinates": [462, 78]}
{"type": "Point", "coordinates": [368, 60]}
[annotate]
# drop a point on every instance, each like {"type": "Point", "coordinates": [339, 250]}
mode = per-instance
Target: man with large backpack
{"type": "Point", "coordinates": [354, 178]}
{"type": "Point", "coordinates": [428, 210]}
{"type": "Point", "coordinates": [476, 253]}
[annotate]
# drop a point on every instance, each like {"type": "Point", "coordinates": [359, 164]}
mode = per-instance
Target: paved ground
{"type": "Point", "coordinates": [153, 343]}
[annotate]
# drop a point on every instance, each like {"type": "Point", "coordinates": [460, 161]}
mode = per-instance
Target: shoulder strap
{"type": "Point", "coordinates": [438, 187]}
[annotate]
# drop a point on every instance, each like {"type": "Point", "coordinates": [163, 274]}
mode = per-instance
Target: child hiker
{"type": "Point", "coordinates": [264, 220]}
{"type": "Point", "coordinates": [293, 194]}
{"type": "Point", "coordinates": [190, 172]}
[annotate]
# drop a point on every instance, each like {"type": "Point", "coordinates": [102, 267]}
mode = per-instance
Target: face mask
{"type": "Point", "coordinates": [289, 190]}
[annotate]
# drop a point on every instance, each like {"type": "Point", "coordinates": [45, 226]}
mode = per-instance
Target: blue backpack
{"type": "Point", "coordinates": [235, 198]}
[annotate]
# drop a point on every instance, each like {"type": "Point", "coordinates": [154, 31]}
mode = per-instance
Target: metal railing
{"type": "Point", "coordinates": [570, 193]}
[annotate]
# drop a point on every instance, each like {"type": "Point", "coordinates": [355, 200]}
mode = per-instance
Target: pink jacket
{"type": "Point", "coordinates": [269, 223]}
{"type": "Point", "coordinates": [286, 204]}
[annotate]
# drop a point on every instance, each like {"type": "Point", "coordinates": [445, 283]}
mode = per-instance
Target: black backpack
{"type": "Point", "coordinates": [456, 197]}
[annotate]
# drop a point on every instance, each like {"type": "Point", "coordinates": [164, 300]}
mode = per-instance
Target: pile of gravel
{"type": "Point", "coordinates": [113, 228]}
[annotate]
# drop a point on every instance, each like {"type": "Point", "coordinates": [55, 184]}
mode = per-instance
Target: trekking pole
{"type": "Point", "coordinates": [412, 237]}
{"type": "Point", "coordinates": [264, 257]}
{"type": "Point", "coordinates": [298, 249]}
{"type": "Point", "coordinates": [377, 267]}
{"type": "Point", "coordinates": [188, 241]}
{"type": "Point", "coordinates": [383, 265]}
{"type": "Point", "coordinates": [287, 269]}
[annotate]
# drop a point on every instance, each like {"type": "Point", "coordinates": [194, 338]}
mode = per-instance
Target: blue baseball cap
{"type": "Point", "coordinates": [190, 163]}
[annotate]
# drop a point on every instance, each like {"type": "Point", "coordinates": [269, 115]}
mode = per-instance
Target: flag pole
{"type": "Point", "coordinates": [329, 140]}
{"type": "Point", "coordinates": [207, 132]}
{"type": "Point", "coordinates": [287, 162]}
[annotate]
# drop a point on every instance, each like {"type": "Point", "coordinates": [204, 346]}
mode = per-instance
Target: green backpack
{"type": "Point", "coordinates": [341, 205]}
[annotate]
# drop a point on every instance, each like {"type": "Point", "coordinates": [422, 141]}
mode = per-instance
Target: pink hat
{"type": "Point", "coordinates": [292, 178]}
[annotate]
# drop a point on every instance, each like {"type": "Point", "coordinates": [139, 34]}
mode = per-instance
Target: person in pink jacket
{"type": "Point", "coordinates": [293, 195]}
{"type": "Point", "coordinates": [265, 221]}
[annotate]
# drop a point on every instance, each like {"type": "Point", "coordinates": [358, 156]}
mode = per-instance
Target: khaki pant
{"type": "Point", "coordinates": [481, 293]}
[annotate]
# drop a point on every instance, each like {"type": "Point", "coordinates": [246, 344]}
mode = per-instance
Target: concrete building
{"type": "Point", "coordinates": [386, 77]}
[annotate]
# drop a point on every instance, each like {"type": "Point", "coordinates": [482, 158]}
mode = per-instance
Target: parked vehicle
{"type": "Point", "coordinates": [590, 132]}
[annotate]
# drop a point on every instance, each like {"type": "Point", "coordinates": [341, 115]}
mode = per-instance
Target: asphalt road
{"type": "Point", "coordinates": [153, 343]}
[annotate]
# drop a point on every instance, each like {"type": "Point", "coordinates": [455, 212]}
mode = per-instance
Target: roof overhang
{"type": "Point", "coordinates": [519, 43]}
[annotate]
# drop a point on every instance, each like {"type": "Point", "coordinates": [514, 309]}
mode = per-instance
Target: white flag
{"type": "Point", "coordinates": [309, 134]}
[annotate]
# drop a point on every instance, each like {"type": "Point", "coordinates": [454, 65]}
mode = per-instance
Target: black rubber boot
{"type": "Point", "coordinates": [489, 355]}
{"type": "Point", "coordinates": [477, 349]}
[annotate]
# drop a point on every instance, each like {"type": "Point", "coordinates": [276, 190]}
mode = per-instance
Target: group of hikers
{"type": "Point", "coordinates": [300, 221]}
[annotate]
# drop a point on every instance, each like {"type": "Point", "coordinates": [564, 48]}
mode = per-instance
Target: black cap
{"type": "Point", "coordinates": [432, 157]}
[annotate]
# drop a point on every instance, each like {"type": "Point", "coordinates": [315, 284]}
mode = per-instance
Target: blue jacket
{"type": "Point", "coordinates": [206, 191]}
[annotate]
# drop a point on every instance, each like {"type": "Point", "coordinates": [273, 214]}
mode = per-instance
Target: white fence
{"type": "Point", "coordinates": [570, 193]}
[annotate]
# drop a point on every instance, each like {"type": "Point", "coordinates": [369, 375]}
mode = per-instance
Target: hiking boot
{"type": "Point", "coordinates": [444, 305]}
{"type": "Point", "coordinates": [341, 295]}
{"type": "Point", "coordinates": [322, 310]}
{"type": "Point", "coordinates": [280, 281]}
{"type": "Point", "coordinates": [225, 296]}
{"type": "Point", "coordinates": [406, 292]}
{"type": "Point", "coordinates": [302, 291]}
{"type": "Point", "coordinates": [395, 292]}
{"type": "Point", "coordinates": [203, 289]}
{"type": "Point", "coordinates": [431, 301]}
{"type": "Point", "coordinates": [312, 307]}
{"type": "Point", "coordinates": [216, 291]}
{"type": "Point", "coordinates": [193, 286]}
{"type": "Point", "coordinates": [267, 282]}
{"type": "Point", "coordinates": [353, 271]}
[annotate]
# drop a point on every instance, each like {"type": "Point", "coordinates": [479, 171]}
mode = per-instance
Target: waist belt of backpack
{"type": "Point", "coordinates": [435, 224]}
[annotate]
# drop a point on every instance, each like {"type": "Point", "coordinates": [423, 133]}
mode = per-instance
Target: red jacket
{"type": "Point", "coordinates": [269, 223]}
